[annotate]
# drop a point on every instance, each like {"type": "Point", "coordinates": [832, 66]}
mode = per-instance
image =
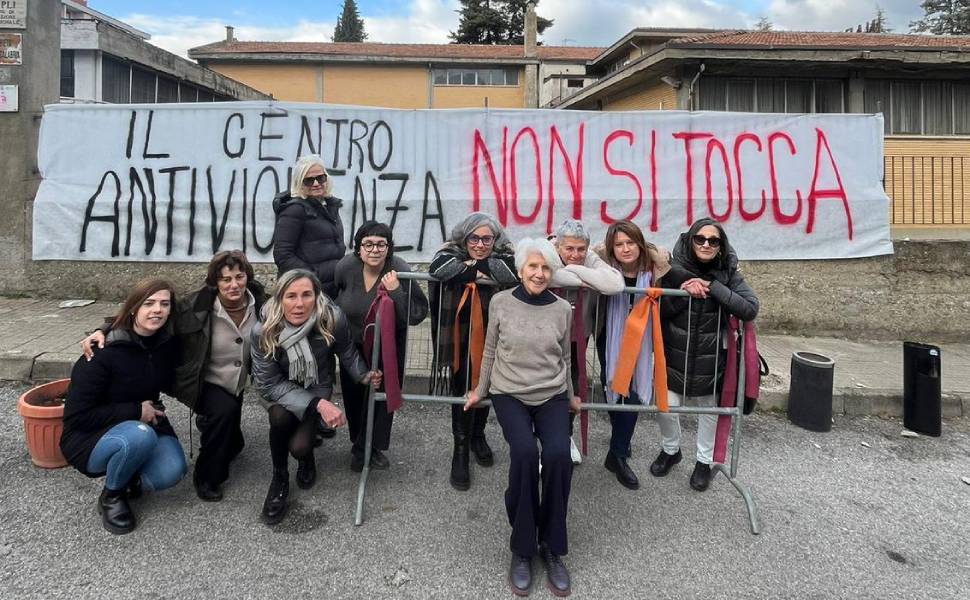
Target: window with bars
{"type": "Point", "coordinates": [476, 77]}
{"type": "Point", "coordinates": [771, 95]}
{"type": "Point", "coordinates": [912, 107]}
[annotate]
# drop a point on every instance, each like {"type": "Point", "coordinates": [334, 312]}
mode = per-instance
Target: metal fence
{"type": "Point", "coordinates": [419, 364]}
{"type": "Point", "coordinates": [928, 190]}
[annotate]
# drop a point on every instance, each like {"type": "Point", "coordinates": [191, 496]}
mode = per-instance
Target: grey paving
{"type": "Point", "coordinates": [859, 512]}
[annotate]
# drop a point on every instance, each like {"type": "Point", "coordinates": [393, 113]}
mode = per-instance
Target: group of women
{"type": "Point", "coordinates": [510, 324]}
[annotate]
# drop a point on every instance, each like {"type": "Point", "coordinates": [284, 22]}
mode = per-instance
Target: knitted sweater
{"type": "Point", "coordinates": [527, 347]}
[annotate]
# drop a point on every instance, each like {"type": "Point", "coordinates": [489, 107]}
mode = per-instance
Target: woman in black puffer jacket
{"type": "Point", "coordinates": [705, 266]}
{"type": "Point", "coordinates": [309, 233]}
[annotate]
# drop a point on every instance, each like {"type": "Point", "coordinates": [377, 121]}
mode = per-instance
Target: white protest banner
{"type": "Point", "coordinates": [180, 182]}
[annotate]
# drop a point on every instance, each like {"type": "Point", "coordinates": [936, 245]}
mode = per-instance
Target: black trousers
{"type": "Point", "coordinates": [466, 423]}
{"type": "Point", "coordinates": [355, 407]}
{"type": "Point", "coordinates": [622, 424]}
{"type": "Point", "coordinates": [536, 518]}
{"type": "Point", "coordinates": [289, 435]}
{"type": "Point", "coordinates": [221, 438]}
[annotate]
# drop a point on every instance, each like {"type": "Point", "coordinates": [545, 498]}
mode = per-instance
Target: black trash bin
{"type": "Point", "coordinates": [922, 405]}
{"type": "Point", "coordinates": [810, 391]}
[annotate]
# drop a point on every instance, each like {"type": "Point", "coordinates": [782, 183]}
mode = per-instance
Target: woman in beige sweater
{"type": "Point", "coordinates": [525, 373]}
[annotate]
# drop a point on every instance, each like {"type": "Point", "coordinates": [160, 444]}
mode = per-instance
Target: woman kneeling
{"type": "Point", "coordinates": [293, 352]}
{"type": "Point", "coordinates": [114, 421]}
{"type": "Point", "coordinates": [525, 372]}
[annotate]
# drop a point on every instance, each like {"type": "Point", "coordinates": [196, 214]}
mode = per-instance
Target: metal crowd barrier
{"type": "Point", "coordinates": [730, 470]}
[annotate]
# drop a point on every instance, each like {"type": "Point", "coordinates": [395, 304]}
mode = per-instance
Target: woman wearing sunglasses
{"type": "Point", "coordinates": [478, 248]}
{"type": "Point", "coordinates": [705, 266]}
{"type": "Point", "coordinates": [372, 269]}
{"type": "Point", "coordinates": [309, 234]}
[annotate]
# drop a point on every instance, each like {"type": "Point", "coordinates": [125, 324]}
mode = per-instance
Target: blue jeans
{"type": "Point", "coordinates": [131, 447]}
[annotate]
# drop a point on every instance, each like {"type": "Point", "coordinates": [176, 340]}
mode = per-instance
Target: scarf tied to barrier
{"type": "Point", "coordinates": [628, 362]}
{"type": "Point", "coordinates": [476, 333]}
{"type": "Point", "coordinates": [729, 391]}
{"type": "Point", "coordinates": [381, 314]}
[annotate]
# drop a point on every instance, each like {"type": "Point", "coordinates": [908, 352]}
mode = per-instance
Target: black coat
{"type": "Point", "coordinates": [309, 235]}
{"type": "Point", "coordinates": [193, 326]}
{"type": "Point", "coordinates": [690, 336]}
{"type": "Point", "coordinates": [110, 388]}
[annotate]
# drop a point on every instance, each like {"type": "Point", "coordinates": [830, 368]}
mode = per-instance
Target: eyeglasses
{"type": "Point", "coordinates": [713, 242]}
{"type": "Point", "coordinates": [484, 240]}
{"type": "Point", "coordinates": [372, 246]}
{"type": "Point", "coordinates": [308, 181]}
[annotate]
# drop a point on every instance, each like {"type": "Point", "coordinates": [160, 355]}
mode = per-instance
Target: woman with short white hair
{"type": "Point", "coordinates": [309, 233]}
{"type": "Point", "coordinates": [525, 373]}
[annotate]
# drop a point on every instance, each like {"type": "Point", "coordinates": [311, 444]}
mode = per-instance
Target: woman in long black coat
{"type": "Point", "coordinates": [309, 233]}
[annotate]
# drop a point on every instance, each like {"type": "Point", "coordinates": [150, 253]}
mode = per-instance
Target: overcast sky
{"type": "Point", "coordinates": [178, 25]}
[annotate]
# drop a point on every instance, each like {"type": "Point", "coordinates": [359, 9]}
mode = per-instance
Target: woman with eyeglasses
{"type": "Point", "coordinates": [478, 248]}
{"type": "Point", "coordinates": [642, 264]}
{"type": "Point", "coordinates": [705, 266]}
{"type": "Point", "coordinates": [309, 233]}
{"type": "Point", "coordinates": [359, 277]}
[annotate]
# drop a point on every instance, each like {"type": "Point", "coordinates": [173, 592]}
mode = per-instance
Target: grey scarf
{"type": "Point", "coordinates": [303, 366]}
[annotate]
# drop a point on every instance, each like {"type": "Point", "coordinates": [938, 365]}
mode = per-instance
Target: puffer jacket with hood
{"type": "Point", "coordinates": [309, 235]}
{"type": "Point", "coordinates": [691, 326]}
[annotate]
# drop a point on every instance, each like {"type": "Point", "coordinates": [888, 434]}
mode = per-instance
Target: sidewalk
{"type": "Point", "coordinates": [40, 342]}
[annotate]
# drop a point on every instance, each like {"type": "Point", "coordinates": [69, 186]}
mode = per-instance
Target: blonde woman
{"type": "Point", "coordinates": [293, 353]}
{"type": "Point", "coordinates": [309, 233]}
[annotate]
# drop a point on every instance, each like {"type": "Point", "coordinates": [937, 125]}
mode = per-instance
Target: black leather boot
{"type": "Point", "coordinates": [557, 576]}
{"type": "Point", "coordinates": [460, 479]}
{"type": "Point", "coordinates": [624, 474]}
{"type": "Point", "coordinates": [274, 508]}
{"type": "Point", "coordinates": [115, 513]}
{"type": "Point", "coordinates": [306, 472]}
{"type": "Point", "coordinates": [520, 575]}
{"type": "Point", "coordinates": [133, 489]}
{"type": "Point", "coordinates": [482, 451]}
{"type": "Point", "coordinates": [700, 479]}
{"type": "Point", "coordinates": [664, 463]}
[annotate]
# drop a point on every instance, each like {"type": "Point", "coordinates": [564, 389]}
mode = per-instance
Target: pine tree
{"type": "Point", "coordinates": [763, 24]}
{"type": "Point", "coordinates": [514, 11]}
{"type": "Point", "coordinates": [879, 23]}
{"type": "Point", "coordinates": [350, 27]}
{"type": "Point", "coordinates": [494, 22]}
{"type": "Point", "coordinates": [943, 17]}
{"type": "Point", "coordinates": [479, 22]}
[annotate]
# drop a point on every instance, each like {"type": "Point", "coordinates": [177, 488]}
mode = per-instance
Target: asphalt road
{"type": "Point", "coordinates": [860, 512]}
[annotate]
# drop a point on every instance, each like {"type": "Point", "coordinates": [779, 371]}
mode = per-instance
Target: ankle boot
{"type": "Point", "coordinates": [460, 479]}
{"type": "Point", "coordinates": [116, 515]}
{"type": "Point", "coordinates": [274, 508]}
{"type": "Point", "coordinates": [482, 451]}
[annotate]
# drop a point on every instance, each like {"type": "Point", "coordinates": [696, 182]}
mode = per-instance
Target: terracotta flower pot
{"type": "Point", "coordinates": [42, 409]}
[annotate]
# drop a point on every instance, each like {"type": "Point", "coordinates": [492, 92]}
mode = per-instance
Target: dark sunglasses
{"type": "Point", "coordinates": [308, 181]}
{"type": "Point", "coordinates": [713, 242]}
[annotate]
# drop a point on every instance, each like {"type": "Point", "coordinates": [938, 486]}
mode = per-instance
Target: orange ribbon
{"type": "Point", "coordinates": [636, 324]}
{"type": "Point", "coordinates": [476, 333]}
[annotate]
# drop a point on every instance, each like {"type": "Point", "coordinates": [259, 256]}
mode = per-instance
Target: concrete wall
{"type": "Point", "coordinates": [922, 292]}
{"type": "Point", "coordinates": [655, 96]}
{"type": "Point", "coordinates": [390, 86]}
{"type": "Point", "coordinates": [404, 86]}
{"type": "Point", "coordinates": [38, 79]}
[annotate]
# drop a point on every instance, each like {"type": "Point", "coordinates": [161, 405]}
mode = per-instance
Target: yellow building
{"type": "Point", "coordinates": [920, 83]}
{"type": "Point", "coordinates": [393, 75]}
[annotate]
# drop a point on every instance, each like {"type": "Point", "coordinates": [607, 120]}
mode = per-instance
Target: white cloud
{"type": "Point", "coordinates": [577, 22]}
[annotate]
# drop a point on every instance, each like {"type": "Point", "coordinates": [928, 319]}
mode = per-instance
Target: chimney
{"type": "Point", "coordinates": [230, 33]}
{"type": "Point", "coordinates": [530, 30]}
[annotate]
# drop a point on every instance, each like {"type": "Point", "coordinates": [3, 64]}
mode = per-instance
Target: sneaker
{"type": "Point", "coordinates": [574, 453]}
